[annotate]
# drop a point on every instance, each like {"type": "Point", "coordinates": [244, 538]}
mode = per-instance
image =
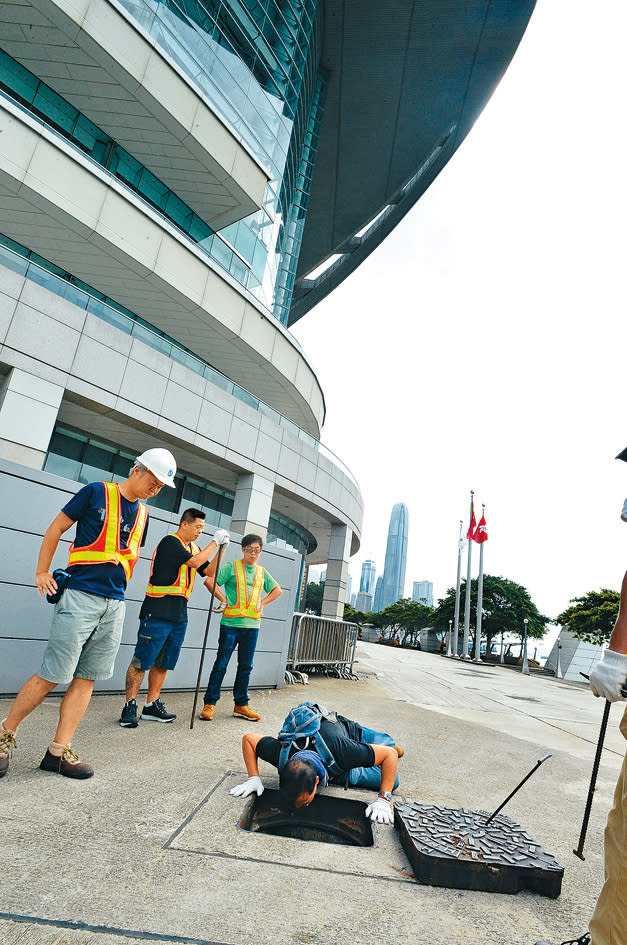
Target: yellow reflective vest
{"type": "Point", "coordinates": [184, 581]}
{"type": "Point", "coordinates": [106, 548]}
{"type": "Point", "coordinates": [246, 606]}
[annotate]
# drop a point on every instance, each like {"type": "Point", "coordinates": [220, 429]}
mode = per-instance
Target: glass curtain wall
{"type": "Point", "coordinates": [257, 61]}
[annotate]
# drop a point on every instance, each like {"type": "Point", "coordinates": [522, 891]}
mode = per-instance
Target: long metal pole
{"type": "Point", "coordinates": [518, 787]}
{"type": "Point", "coordinates": [479, 605]}
{"type": "Point", "coordinates": [593, 780]}
{"type": "Point", "coordinates": [204, 642]}
{"type": "Point", "coordinates": [467, 601]}
{"type": "Point", "coordinates": [524, 668]}
{"type": "Point", "coordinates": [459, 578]}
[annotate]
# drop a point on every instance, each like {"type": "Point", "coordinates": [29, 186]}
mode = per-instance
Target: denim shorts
{"type": "Point", "coordinates": [84, 637]}
{"type": "Point", "coordinates": [159, 643]}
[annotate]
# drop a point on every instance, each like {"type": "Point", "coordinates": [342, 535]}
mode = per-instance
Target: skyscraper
{"type": "Point", "coordinates": [368, 577]}
{"type": "Point", "coordinates": [377, 606]}
{"type": "Point", "coordinates": [395, 556]}
{"type": "Point", "coordinates": [423, 592]}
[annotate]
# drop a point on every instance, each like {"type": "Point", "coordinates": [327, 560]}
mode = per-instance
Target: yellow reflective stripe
{"type": "Point", "coordinates": [112, 534]}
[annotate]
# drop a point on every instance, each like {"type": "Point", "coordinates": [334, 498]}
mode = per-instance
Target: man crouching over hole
{"type": "Point", "coordinates": [316, 747]}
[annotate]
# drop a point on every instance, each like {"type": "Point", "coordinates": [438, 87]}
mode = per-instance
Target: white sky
{"type": "Point", "coordinates": [482, 346]}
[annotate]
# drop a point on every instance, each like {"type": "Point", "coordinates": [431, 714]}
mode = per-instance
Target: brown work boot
{"type": "Point", "coordinates": [400, 751]}
{"type": "Point", "coordinates": [7, 744]}
{"type": "Point", "coordinates": [245, 712]}
{"type": "Point", "coordinates": [67, 764]}
{"type": "Point", "coordinates": [207, 713]}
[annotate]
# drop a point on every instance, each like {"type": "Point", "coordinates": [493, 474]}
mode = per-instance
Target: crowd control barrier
{"type": "Point", "coordinates": [324, 643]}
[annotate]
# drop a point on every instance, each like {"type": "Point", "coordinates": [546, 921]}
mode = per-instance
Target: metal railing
{"type": "Point", "coordinates": [322, 642]}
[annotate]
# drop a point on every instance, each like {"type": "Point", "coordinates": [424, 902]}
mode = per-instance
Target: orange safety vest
{"type": "Point", "coordinates": [106, 548]}
{"type": "Point", "coordinates": [184, 581]}
{"type": "Point", "coordinates": [246, 606]}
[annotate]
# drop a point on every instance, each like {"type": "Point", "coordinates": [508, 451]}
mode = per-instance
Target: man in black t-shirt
{"type": "Point", "coordinates": [163, 614]}
{"type": "Point", "coordinates": [361, 757]}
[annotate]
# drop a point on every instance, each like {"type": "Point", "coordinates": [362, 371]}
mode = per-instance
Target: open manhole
{"type": "Point", "coordinates": [328, 819]}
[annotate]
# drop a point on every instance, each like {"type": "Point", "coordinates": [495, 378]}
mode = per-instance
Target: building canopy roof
{"type": "Point", "coordinates": [406, 81]}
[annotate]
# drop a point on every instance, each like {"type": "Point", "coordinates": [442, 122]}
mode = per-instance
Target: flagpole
{"type": "Point", "coordinates": [459, 578]}
{"type": "Point", "coordinates": [467, 601]}
{"type": "Point", "coordinates": [477, 658]}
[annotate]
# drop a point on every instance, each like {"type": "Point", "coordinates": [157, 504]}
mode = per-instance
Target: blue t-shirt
{"type": "Point", "coordinates": [87, 509]}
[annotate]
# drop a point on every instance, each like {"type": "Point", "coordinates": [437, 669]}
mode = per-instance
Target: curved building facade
{"type": "Point", "coordinates": [172, 174]}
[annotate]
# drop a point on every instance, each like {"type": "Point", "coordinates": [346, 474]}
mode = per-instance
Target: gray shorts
{"type": "Point", "coordinates": [84, 637]}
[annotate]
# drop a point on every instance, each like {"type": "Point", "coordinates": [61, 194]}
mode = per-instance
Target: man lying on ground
{"type": "Point", "coordinates": [316, 747]}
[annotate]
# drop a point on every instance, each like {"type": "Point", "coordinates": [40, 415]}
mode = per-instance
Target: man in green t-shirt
{"type": "Point", "coordinates": [244, 583]}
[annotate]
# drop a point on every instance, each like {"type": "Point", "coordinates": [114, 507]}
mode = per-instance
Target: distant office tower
{"type": "Point", "coordinates": [395, 556]}
{"type": "Point", "coordinates": [378, 593]}
{"type": "Point", "coordinates": [349, 584]}
{"type": "Point", "coordinates": [364, 602]}
{"type": "Point", "coordinates": [368, 577]}
{"type": "Point", "coordinates": [423, 592]}
{"type": "Point", "coordinates": [353, 601]}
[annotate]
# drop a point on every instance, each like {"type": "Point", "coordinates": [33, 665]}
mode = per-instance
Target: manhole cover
{"type": "Point", "coordinates": [327, 820]}
{"type": "Point", "coordinates": [452, 846]}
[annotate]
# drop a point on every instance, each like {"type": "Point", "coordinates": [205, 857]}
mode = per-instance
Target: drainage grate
{"type": "Point", "coordinates": [453, 847]}
{"type": "Point", "coordinates": [328, 819]}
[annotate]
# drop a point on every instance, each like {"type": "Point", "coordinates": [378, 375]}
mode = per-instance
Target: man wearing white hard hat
{"type": "Point", "coordinates": [88, 595]}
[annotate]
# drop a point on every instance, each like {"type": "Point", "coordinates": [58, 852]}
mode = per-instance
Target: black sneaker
{"type": "Point", "coordinates": [129, 719]}
{"type": "Point", "coordinates": [157, 712]}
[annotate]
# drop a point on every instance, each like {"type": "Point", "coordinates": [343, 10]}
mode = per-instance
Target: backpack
{"type": "Point", "coordinates": [301, 729]}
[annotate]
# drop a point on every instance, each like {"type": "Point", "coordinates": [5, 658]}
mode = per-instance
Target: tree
{"type": "Point", "coordinates": [504, 606]}
{"type": "Point", "coordinates": [355, 616]}
{"type": "Point", "coordinates": [406, 617]}
{"type": "Point", "coordinates": [593, 616]}
{"type": "Point", "coordinates": [313, 598]}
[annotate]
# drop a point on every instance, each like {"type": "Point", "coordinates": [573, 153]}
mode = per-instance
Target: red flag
{"type": "Point", "coordinates": [481, 533]}
{"type": "Point", "coordinates": [470, 534]}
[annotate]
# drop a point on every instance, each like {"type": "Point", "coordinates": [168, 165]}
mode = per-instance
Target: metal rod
{"type": "Point", "coordinates": [204, 642]}
{"type": "Point", "coordinates": [518, 787]}
{"type": "Point", "coordinates": [593, 780]}
{"type": "Point", "coordinates": [459, 567]}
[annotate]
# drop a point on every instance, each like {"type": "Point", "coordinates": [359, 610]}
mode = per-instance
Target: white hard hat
{"type": "Point", "coordinates": [161, 464]}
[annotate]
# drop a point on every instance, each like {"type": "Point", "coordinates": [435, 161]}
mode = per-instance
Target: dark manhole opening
{"type": "Point", "coordinates": [327, 819]}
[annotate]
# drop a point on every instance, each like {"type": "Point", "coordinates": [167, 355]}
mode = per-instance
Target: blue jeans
{"type": "Point", "coordinates": [246, 641]}
{"type": "Point", "coordinates": [371, 777]}
{"type": "Point", "coordinates": [159, 643]}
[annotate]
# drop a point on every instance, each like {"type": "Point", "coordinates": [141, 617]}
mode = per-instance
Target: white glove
{"type": "Point", "coordinates": [218, 606]}
{"type": "Point", "coordinates": [221, 537]}
{"type": "Point", "coordinates": [253, 785]}
{"type": "Point", "coordinates": [609, 676]}
{"type": "Point", "coordinates": [380, 811]}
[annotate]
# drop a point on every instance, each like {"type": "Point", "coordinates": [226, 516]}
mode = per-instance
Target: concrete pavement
{"type": "Point", "coordinates": [149, 849]}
